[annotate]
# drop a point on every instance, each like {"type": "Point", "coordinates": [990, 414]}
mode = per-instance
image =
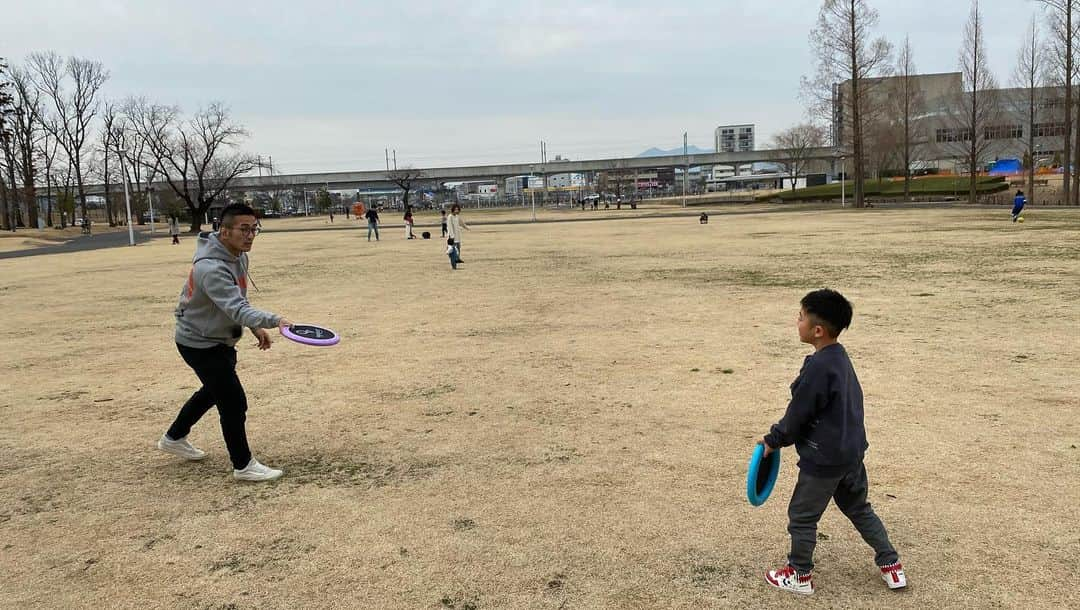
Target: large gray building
{"type": "Point", "coordinates": [942, 138]}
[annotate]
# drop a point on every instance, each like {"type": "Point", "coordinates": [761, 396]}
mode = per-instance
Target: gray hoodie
{"type": "Point", "coordinates": [213, 308]}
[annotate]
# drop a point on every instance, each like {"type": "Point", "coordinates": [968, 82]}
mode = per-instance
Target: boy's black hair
{"type": "Point", "coordinates": [830, 308]}
{"type": "Point", "coordinates": [449, 241]}
{"type": "Point", "coordinates": [235, 209]}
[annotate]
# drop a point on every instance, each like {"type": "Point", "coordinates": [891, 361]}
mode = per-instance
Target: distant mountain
{"type": "Point", "coordinates": [659, 152]}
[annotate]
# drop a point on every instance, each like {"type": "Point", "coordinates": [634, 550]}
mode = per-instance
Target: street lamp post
{"type": "Point", "coordinates": [127, 199]}
{"type": "Point", "coordinates": [843, 183]}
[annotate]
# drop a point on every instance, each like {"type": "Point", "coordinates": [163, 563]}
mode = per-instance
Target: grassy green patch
{"type": "Point", "coordinates": [952, 185]}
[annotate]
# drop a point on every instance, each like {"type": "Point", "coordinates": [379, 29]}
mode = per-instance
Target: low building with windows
{"type": "Point", "coordinates": [943, 137]}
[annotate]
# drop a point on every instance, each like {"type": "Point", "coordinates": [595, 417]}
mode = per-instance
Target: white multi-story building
{"type": "Point", "coordinates": [566, 180]}
{"type": "Point", "coordinates": [516, 184]}
{"type": "Point", "coordinates": [734, 138]}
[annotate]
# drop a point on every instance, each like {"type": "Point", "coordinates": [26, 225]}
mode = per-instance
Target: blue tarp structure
{"type": "Point", "coordinates": [1005, 167]}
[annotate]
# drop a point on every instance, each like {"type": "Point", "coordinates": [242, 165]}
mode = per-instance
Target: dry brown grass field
{"type": "Point", "coordinates": [564, 422]}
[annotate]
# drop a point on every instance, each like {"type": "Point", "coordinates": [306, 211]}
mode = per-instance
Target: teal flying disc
{"type": "Point", "coordinates": [761, 476]}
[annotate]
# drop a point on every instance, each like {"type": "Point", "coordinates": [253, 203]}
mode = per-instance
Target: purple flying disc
{"type": "Point", "coordinates": [309, 334]}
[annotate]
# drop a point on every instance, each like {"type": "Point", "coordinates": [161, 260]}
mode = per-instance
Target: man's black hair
{"type": "Point", "coordinates": [235, 209]}
{"type": "Point", "coordinates": [830, 308]}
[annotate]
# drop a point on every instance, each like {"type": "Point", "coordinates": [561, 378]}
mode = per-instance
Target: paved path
{"type": "Point", "coordinates": [84, 243]}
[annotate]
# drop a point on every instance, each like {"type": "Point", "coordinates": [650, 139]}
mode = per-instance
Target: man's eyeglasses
{"type": "Point", "coordinates": [246, 230]}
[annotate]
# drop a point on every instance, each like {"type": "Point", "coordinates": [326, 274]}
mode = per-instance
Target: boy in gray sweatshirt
{"type": "Point", "coordinates": [210, 319]}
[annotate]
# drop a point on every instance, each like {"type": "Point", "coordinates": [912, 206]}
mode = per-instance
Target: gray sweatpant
{"type": "Point", "coordinates": [809, 501]}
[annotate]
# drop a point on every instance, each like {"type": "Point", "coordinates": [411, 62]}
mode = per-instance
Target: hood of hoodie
{"type": "Point", "coordinates": [208, 245]}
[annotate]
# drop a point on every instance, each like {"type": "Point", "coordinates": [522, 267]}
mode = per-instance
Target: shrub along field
{"type": "Point", "coordinates": [920, 187]}
{"type": "Point", "coordinates": [563, 422]}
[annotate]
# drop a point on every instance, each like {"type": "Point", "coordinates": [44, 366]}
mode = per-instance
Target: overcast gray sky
{"type": "Point", "coordinates": [328, 85]}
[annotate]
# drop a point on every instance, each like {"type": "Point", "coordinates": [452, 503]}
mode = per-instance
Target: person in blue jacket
{"type": "Point", "coordinates": [1018, 204]}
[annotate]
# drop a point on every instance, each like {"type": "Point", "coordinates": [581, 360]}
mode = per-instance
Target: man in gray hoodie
{"type": "Point", "coordinates": [210, 319]}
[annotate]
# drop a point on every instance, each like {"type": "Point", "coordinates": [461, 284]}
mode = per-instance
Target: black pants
{"type": "Point", "coordinates": [216, 369]}
{"type": "Point", "coordinates": [809, 501]}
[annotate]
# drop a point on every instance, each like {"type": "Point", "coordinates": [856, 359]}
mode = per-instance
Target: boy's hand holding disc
{"type": "Point", "coordinates": [761, 473]}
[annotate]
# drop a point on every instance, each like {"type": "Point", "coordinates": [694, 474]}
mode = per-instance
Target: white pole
{"type": "Point", "coordinates": [150, 199]}
{"type": "Point", "coordinates": [127, 201]}
{"type": "Point", "coordinates": [843, 184]}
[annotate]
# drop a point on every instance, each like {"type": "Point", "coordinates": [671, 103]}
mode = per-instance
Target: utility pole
{"type": "Point", "coordinates": [387, 151]}
{"type": "Point", "coordinates": [395, 160]}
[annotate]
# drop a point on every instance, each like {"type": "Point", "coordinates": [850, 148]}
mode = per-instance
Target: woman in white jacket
{"type": "Point", "coordinates": [454, 226]}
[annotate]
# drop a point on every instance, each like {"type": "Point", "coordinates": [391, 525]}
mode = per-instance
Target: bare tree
{"type": "Point", "coordinates": [47, 149]}
{"type": "Point", "coordinates": [71, 86]}
{"type": "Point", "coordinates": [1060, 54]}
{"type": "Point", "coordinates": [1027, 77]}
{"type": "Point", "coordinates": [137, 164]}
{"type": "Point", "coordinates": [883, 147]}
{"type": "Point", "coordinates": [197, 158]}
{"type": "Point", "coordinates": [844, 50]}
{"type": "Point", "coordinates": [977, 101]}
{"type": "Point", "coordinates": [28, 132]}
{"type": "Point", "coordinates": [908, 102]}
{"type": "Point", "coordinates": [7, 137]}
{"type": "Point", "coordinates": [405, 179]}
{"type": "Point", "coordinates": [110, 119]}
{"type": "Point", "coordinates": [794, 144]}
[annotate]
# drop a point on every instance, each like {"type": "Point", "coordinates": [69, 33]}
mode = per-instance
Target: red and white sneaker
{"type": "Point", "coordinates": [788, 579]}
{"type": "Point", "coordinates": [893, 575]}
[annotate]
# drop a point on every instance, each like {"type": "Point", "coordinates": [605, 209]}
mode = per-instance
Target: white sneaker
{"type": "Point", "coordinates": [893, 575]}
{"type": "Point", "coordinates": [788, 579]}
{"type": "Point", "coordinates": [180, 447]}
{"type": "Point", "coordinates": [255, 471]}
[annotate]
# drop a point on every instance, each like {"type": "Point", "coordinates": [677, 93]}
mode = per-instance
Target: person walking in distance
{"type": "Point", "coordinates": [1018, 205]}
{"type": "Point", "coordinates": [210, 319]}
{"type": "Point", "coordinates": [408, 223]}
{"type": "Point", "coordinates": [372, 223]}
{"type": "Point", "coordinates": [455, 225]}
{"type": "Point", "coordinates": [174, 229]}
